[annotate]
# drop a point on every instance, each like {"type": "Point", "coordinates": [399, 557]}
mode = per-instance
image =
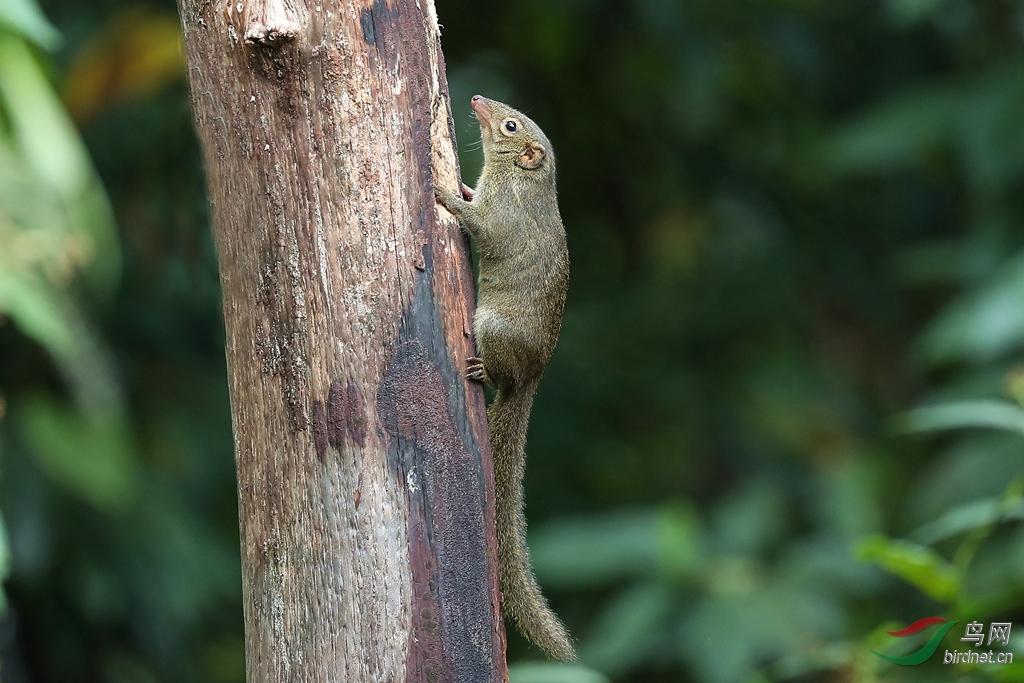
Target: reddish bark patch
{"type": "Point", "coordinates": [320, 436]}
{"type": "Point", "coordinates": [346, 414]}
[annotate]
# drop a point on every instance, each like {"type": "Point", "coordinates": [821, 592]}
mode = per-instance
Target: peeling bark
{"type": "Point", "coordinates": [366, 495]}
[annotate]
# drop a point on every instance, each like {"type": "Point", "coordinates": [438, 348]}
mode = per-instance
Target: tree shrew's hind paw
{"type": "Point", "coordinates": [475, 369]}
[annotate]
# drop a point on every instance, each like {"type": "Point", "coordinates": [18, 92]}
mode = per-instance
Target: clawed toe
{"type": "Point", "coordinates": [475, 369]}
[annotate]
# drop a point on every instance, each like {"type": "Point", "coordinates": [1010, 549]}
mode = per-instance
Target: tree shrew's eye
{"type": "Point", "coordinates": [510, 126]}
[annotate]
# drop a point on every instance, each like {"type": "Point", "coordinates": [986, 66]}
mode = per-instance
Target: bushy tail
{"type": "Point", "coordinates": [507, 419]}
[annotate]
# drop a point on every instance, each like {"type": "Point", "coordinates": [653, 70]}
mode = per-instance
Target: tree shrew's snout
{"type": "Point", "coordinates": [481, 109]}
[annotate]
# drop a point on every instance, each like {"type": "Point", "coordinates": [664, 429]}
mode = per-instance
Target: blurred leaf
{"type": "Point", "coordinates": [5, 562]}
{"type": "Point", "coordinates": [803, 665]}
{"type": "Point", "coordinates": [916, 564]}
{"type": "Point", "coordinates": [594, 551]}
{"type": "Point", "coordinates": [25, 17]}
{"type": "Point", "coordinates": [950, 261]}
{"type": "Point", "coordinates": [1015, 384]}
{"type": "Point", "coordinates": [681, 543]}
{"type": "Point", "coordinates": [746, 631]}
{"type": "Point", "coordinates": [91, 455]}
{"type": "Point", "coordinates": [975, 465]}
{"type": "Point", "coordinates": [600, 550]}
{"type": "Point", "coordinates": [43, 314]}
{"type": "Point", "coordinates": [981, 325]}
{"type": "Point", "coordinates": [1010, 673]}
{"type": "Point", "coordinates": [912, 11]}
{"type": "Point", "coordinates": [847, 503]}
{"type": "Point", "coordinates": [137, 53]}
{"type": "Point", "coordinates": [629, 629]}
{"type": "Point", "coordinates": [961, 414]}
{"type": "Point", "coordinates": [47, 142]}
{"type": "Point", "coordinates": [44, 132]}
{"type": "Point", "coordinates": [824, 564]}
{"type": "Point", "coordinates": [750, 520]}
{"type": "Point", "coordinates": [34, 309]}
{"type": "Point", "coordinates": [988, 133]}
{"type": "Point", "coordinates": [907, 129]}
{"type": "Point", "coordinates": [896, 133]}
{"type": "Point", "coordinates": [965, 518]}
{"type": "Point", "coordinates": [55, 224]}
{"type": "Point", "coordinates": [549, 672]}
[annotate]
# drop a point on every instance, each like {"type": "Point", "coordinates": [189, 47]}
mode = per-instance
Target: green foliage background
{"type": "Point", "coordinates": [784, 415]}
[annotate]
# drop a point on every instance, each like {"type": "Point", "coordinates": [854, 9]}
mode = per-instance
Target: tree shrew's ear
{"type": "Point", "coordinates": [531, 157]}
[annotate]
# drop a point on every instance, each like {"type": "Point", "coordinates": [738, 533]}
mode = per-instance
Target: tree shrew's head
{"type": "Point", "coordinates": [511, 140]}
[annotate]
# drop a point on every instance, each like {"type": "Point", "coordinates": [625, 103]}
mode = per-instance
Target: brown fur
{"type": "Point", "coordinates": [524, 274]}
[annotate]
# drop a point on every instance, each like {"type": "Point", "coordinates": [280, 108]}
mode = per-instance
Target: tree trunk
{"type": "Point", "coordinates": [365, 486]}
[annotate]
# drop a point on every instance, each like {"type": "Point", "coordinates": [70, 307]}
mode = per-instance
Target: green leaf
{"type": "Point", "coordinates": [629, 628]}
{"type": "Point", "coordinates": [727, 636]}
{"type": "Point", "coordinates": [596, 551]}
{"type": "Point", "coordinates": [982, 325]}
{"type": "Point", "coordinates": [916, 564]}
{"type": "Point", "coordinates": [897, 133]}
{"type": "Point", "coordinates": [1010, 673]}
{"type": "Point", "coordinates": [988, 135]}
{"type": "Point", "coordinates": [961, 414]}
{"type": "Point", "coordinates": [25, 18]}
{"type": "Point", "coordinates": [680, 545]}
{"type": "Point", "coordinates": [912, 11]}
{"type": "Point", "coordinates": [548, 672]}
{"type": "Point", "coordinates": [603, 549]}
{"type": "Point", "coordinates": [968, 517]}
{"type": "Point", "coordinates": [92, 456]}
{"type": "Point", "coordinates": [45, 134]}
{"type": "Point", "coordinates": [5, 562]}
{"type": "Point", "coordinates": [44, 314]}
{"type": "Point", "coordinates": [750, 520]}
{"type": "Point", "coordinates": [47, 180]}
{"type": "Point", "coordinates": [37, 312]}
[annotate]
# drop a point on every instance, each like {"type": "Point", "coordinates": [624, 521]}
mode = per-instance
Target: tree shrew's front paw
{"type": "Point", "coordinates": [448, 199]}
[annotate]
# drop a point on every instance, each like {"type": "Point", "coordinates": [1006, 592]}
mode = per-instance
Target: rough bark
{"type": "Point", "coordinates": [364, 477]}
